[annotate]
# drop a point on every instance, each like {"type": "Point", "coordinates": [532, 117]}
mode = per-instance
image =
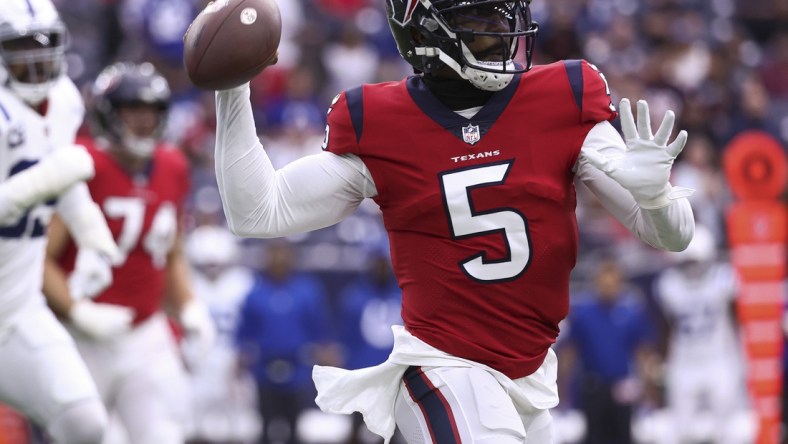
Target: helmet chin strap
{"type": "Point", "coordinates": [484, 80]}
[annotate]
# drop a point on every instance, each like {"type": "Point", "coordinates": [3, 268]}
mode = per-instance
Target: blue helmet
{"type": "Point", "coordinates": [128, 84]}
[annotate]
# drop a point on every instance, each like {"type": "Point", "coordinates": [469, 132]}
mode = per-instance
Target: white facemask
{"type": "Point", "coordinates": [489, 81]}
{"type": "Point", "coordinates": [31, 93]}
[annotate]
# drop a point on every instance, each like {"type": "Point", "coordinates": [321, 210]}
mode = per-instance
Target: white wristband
{"type": "Point", "coordinates": [670, 194]}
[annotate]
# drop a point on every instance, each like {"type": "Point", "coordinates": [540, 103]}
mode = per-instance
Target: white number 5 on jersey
{"type": "Point", "coordinates": [160, 238]}
{"type": "Point", "coordinates": [465, 222]}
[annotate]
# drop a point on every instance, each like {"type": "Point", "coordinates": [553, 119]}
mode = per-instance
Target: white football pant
{"type": "Point", "coordinates": [714, 389]}
{"type": "Point", "coordinates": [453, 405]}
{"type": "Point", "coordinates": [43, 377]}
{"type": "Point", "coordinates": [142, 380]}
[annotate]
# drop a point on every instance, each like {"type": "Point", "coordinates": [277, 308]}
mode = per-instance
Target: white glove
{"type": "Point", "coordinates": [101, 321]}
{"type": "Point", "coordinates": [644, 168]}
{"type": "Point", "coordinates": [199, 328]}
{"type": "Point", "coordinates": [51, 176]}
{"type": "Point", "coordinates": [92, 274]}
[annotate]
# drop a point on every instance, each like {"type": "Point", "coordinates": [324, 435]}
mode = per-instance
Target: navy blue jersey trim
{"type": "Point", "coordinates": [20, 229]}
{"type": "Point", "coordinates": [5, 112]}
{"type": "Point", "coordinates": [454, 122]}
{"type": "Point", "coordinates": [30, 8]}
{"type": "Point", "coordinates": [574, 70]}
{"type": "Point", "coordinates": [355, 104]}
{"type": "Point", "coordinates": [438, 417]}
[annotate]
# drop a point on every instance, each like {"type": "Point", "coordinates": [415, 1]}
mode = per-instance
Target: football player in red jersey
{"type": "Point", "coordinates": [140, 184]}
{"type": "Point", "coordinates": [472, 161]}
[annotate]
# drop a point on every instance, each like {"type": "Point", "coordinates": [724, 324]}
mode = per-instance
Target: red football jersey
{"type": "Point", "coordinates": [480, 212]}
{"type": "Point", "coordinates": [143, 213]}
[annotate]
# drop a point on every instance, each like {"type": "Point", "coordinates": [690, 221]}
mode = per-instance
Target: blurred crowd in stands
{"type": "Point", "coordinates": [722, 65]}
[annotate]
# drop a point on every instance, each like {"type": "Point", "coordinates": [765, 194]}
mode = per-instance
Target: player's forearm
{"type": "Point", "coordinates": [55, 286]}
{"type": "Point", "coordinates": [86, 222]}
{"type": "Point", "coordinates": [672, 226]}
{"type": "Point", "coordinates": [260, 201]}
{"type": "Point", "coordinates": [243, 170]}
{"type": "Point", "coordinates": [56, 289]}
{"type": "Point", "coordinates": [179, 292]}
{"type": "Point", "coordinates": [668, 228]}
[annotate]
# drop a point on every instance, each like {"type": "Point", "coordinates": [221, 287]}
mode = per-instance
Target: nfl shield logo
{"type": "Point", "coordinates": [471, 134]}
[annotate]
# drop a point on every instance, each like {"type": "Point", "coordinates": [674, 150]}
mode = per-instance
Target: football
{"type": "Point", "coordinates": [231, 41]}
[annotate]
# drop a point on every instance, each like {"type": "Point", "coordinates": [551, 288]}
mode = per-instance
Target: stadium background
{"type": "Point", "coordinates": [722, 65]}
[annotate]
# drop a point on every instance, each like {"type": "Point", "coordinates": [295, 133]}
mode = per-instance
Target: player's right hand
{"type": "Point", "coordinates": [101, 321]}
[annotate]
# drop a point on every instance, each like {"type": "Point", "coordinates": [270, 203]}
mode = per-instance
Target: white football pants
{"type": "Point", "coordinates": [142, 380]}
{"type": "Point", "coordinates": [453, 405]}
{"type": "Point", "coordinates": [43, 377]}
{"type": "Point", "coordinates": [715, 388]}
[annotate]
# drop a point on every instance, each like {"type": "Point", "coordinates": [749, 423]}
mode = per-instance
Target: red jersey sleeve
{"type": "Point", "coordinates": [597, 105]}
{"type": "Point", "coordinates": [345, 123]}
{"type": "Point", "coordinates": [590, 91]}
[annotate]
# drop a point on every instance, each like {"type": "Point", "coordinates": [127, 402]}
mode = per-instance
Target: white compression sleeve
{"type": "Point", "coordinates": [313, 192]}
{"type": "Point", "coordinates": [86, 222]}
{"type": "Point", "coordinates": [668, 228]}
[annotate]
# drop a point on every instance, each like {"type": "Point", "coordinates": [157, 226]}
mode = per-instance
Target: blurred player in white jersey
{"type": "Point", "coordinates": [223, 396]}
{"type": "Point", "coordinates": [41, 171]}
{"type": "Point", "coordinates": [704, 375]}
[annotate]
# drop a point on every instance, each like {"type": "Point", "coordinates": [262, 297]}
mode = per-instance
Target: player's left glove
{"type": "Point", "coordinates": [199, 327]}
{"type": "Point", "coordinates": [92, 274]}
{"type": "Point", "coordinates": [644, 168]}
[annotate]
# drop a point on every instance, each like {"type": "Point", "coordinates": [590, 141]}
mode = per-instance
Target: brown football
{"type": "Point", "coordinates": [231, 41]}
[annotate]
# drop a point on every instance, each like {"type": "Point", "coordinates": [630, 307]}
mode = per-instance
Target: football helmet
{"type": "Point", "coordinates": [127, 85]}
{"type": "Point", "coordinates": [431, 34]}
{"type": "Point", "coordinates": [32, 48]}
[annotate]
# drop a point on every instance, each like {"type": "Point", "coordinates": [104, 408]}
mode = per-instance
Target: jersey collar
{"type": "Point", "coordinates": [449, 119]}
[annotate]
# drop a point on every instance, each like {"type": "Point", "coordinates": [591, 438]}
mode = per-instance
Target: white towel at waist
{"type": "Point", "coordinates": [372, 391]}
